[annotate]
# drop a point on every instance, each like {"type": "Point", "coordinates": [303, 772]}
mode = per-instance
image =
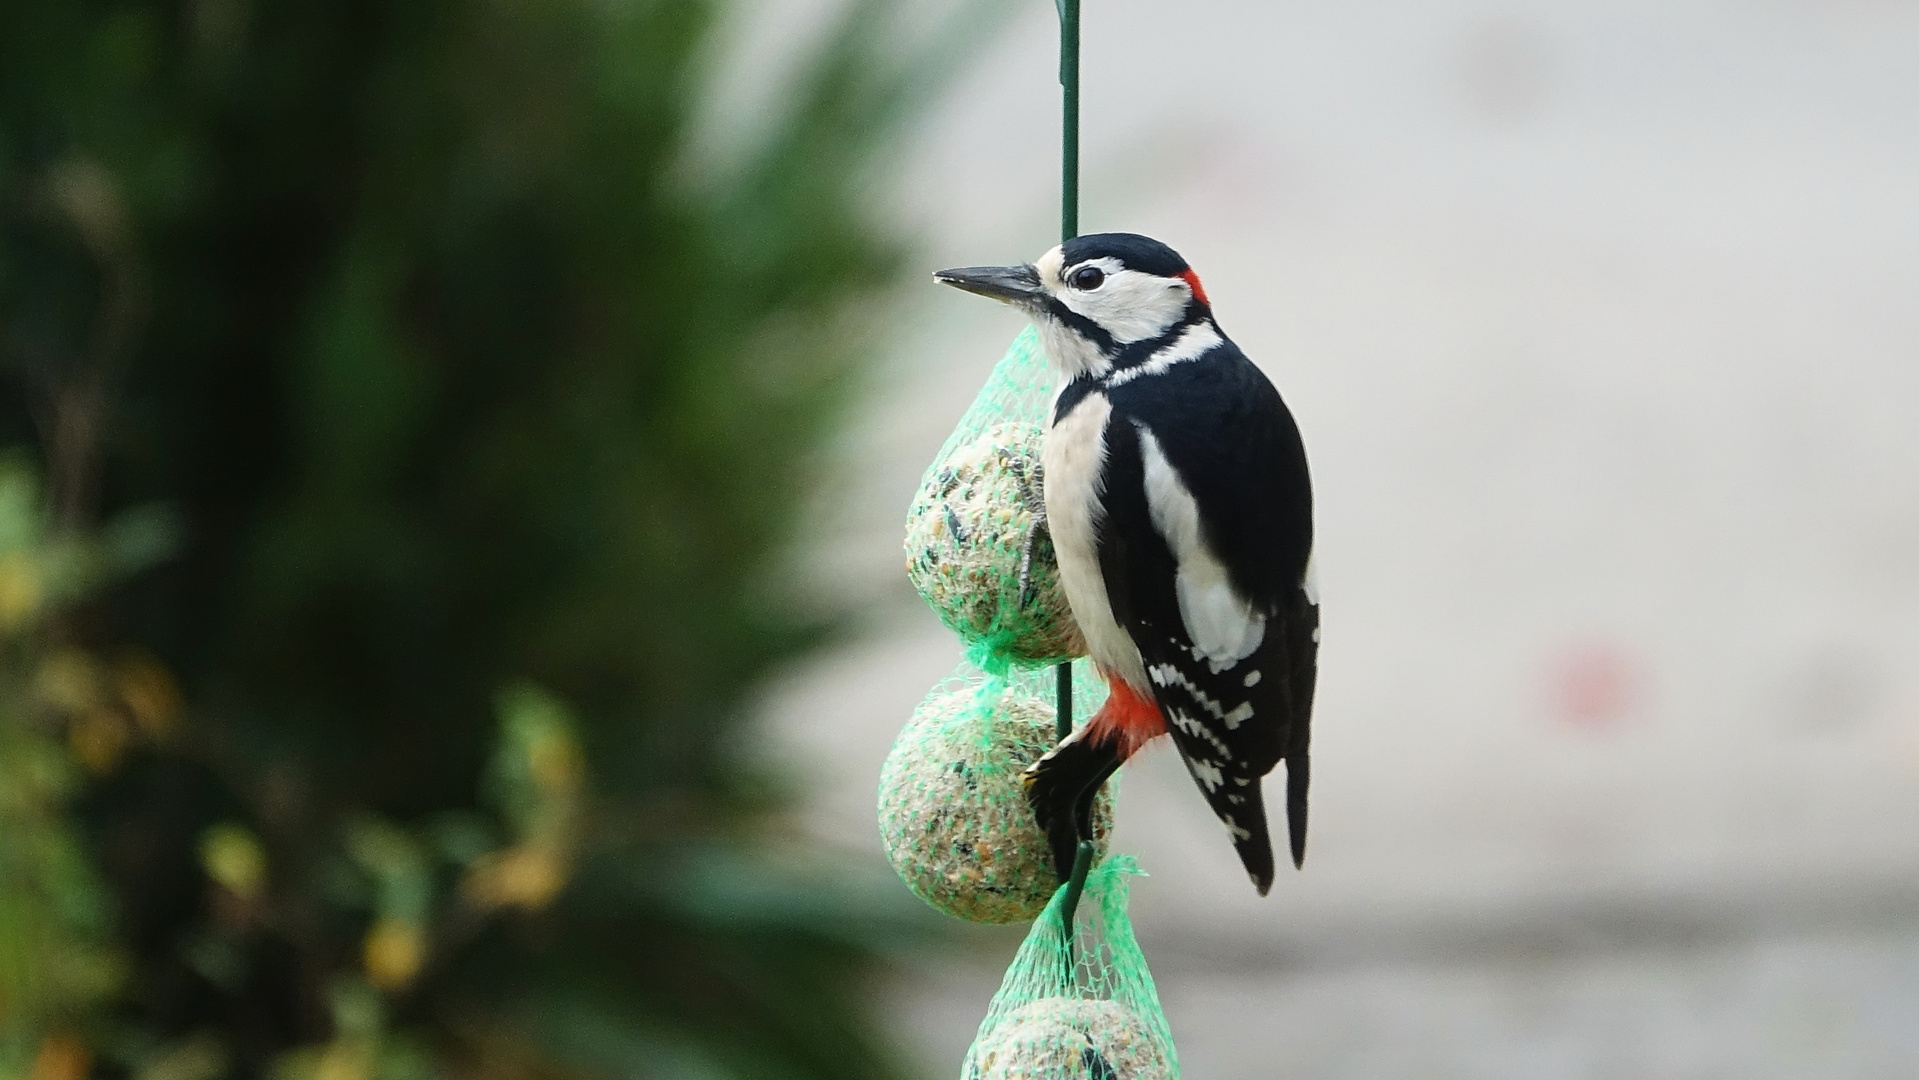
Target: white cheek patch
{"type": "Point", "coordinates": [1223, 626]}
{"type": "Point", "coordinates": [1071, 354]}
{"type": "Point", "coordinates": [1130, 305]}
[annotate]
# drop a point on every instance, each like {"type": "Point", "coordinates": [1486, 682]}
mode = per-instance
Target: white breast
{"type": "Point", "coordinates": [1074, 455]}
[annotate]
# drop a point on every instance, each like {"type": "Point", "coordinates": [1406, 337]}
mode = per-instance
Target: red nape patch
{"type": "Point", "coordinates": [1129, 717]}
{"type": "Point", "coordinates": [1199, 291]}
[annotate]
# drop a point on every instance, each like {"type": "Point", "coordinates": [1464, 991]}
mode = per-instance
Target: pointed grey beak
{"type": "Point", "coordinates": [1012, 284]}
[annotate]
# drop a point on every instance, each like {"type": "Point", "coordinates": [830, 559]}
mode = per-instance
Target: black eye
{"type": "Point", "coordinates": [1088, 278]}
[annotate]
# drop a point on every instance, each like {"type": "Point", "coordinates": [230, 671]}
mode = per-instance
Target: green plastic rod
{"type": "Point", "coordinates": [1069, 119]}
{"type": "Point", "coordinates": [1069, 228]}
{"type": "Point", "coordinates": [1064, 690]}
{"type": "Point", "coordinates": [1068, 225]}
{"type": "Point", "coordinates": [1075, 885]}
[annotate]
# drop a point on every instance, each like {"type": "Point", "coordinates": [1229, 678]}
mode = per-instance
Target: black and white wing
{"type": "Point", "coordinates": [1204, 543]}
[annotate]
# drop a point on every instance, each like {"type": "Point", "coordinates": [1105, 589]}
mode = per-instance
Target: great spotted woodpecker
{"type": "Point", "coordinates": [1181, 511]}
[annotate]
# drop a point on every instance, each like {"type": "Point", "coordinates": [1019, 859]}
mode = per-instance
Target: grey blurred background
{"type": "Point", "coordinates": [1600, 323]}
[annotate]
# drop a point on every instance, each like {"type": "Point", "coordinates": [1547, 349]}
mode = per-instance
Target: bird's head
{"type": "Point", "coordinates": [1095, 298]}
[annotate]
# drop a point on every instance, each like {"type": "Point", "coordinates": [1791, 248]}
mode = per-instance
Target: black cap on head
{"type": "Point", "coordinates": [1136, 252]}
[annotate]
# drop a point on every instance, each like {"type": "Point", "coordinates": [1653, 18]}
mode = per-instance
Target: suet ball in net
{"type": "Point", "coordinates": [953, 812]}
{"type": "Point", "coordinates": [977, 547]}
{"type": "Point", "coordinates": [1068, 1038]}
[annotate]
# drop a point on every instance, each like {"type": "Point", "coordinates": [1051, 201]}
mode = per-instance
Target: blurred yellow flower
{"type": "Point", "coordinates": [97, 738]}
{"type": "Point", "coordinates": [555, 761]}
{"type": "Point", "coordinates": [61, 1057]}
{"type": "Point", "coordinates": [527, 876]}
{"type": "Point", "coordinates": [393, 953]}
{"type": "Point", "coordinates": [150, 694]}
{"type": "Point", "coordinates": [20, 590]}
{"type": "Point", "coordinates": [70, 680]}
{"type": "Point", "coordinates": [233, 857]}
{"type": "Point", "coordinates": [345, 1059]}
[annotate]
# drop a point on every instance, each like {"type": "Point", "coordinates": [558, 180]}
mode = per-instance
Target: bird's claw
{"type": "Point", "coordinates": [961, 534]}
{"type": "Point", "coordinates": [1037, 505]}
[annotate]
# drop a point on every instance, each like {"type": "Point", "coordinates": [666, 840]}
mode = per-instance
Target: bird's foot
{"type": "Point", "coordinates": [1061, 788]}
{"type": "Point", "coordinates": [1034, 530]}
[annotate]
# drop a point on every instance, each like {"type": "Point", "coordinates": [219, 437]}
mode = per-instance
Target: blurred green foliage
{"type": "Point", "coordinates": [482, 417]}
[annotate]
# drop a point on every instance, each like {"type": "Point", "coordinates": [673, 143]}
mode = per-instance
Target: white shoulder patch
{"type": "Point", "coordinates": [1223, 626]}
{"type": "Point", "coordinates": [1197, 340]}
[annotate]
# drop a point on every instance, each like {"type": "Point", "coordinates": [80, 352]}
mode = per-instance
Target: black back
{"type": "Point", "coordinates": [1233, 442]}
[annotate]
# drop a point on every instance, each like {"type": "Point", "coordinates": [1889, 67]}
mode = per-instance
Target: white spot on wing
{"type": "Point", "coordinates": [1168, 675]}
{"type": "Point", "coordinates": [1206, 774]}
{"type": "Point", "coordinates": [1252, 679]}
{"type": "Point", "coordinates": [1223, 626]}
{"type": "Point", "coordinates": [1186, 723]}
{"type": "Point", "coordinates": [1198, 730]}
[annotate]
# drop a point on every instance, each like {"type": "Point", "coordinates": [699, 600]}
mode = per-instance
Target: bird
{"type": "Point", "coordinates": [1180, 506]}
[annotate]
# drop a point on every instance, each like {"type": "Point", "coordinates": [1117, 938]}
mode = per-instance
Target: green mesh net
{"type": "Point", "coordinates": [1078, 1002]}
{"type": "Point", "coordinates": [953, 814]}
{"type": "Point", "coordinates": [976, 546]}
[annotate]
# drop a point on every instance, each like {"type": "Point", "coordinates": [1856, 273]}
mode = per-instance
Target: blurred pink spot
{"type": "Point", "coordinates": [1592, 686]}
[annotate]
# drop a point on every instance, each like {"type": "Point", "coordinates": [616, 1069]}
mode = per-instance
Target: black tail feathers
{"type": "Point", "coordinates": [1243, 811]}
{"type": "Point", "coordinates": [1298, 777]}
{"type": "Point", "coordinates": [1241, 807]}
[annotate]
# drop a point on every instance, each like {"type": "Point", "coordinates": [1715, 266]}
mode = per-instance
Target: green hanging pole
{"type": "Point", "coordinates": [1069, 118]}
{"type": "Point", "coordinates": [1069, 228]}
{"type": "Point", "coordinates": [1063, 693]}
{"type": "Point", "coordinates": [1075, 885]}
